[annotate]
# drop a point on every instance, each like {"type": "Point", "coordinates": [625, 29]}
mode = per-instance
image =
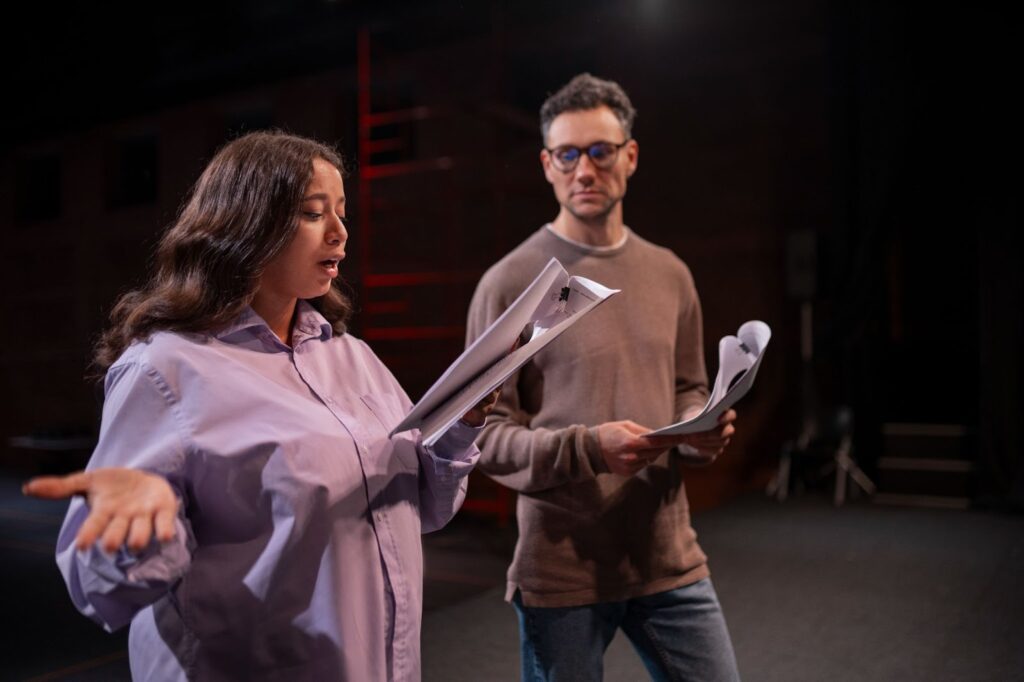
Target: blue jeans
{"type": "Point", "coordinates": [679, 634]}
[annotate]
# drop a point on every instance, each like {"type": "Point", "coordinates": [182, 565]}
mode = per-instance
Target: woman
{"type": "Point", "coordinates": [244, 508]}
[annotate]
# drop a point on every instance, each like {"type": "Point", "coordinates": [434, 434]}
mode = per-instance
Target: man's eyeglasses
{"type": "Point", "coordinates": [602, 155]}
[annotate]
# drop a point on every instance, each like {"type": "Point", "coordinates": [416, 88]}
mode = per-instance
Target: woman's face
{"type": "Point", "coordinates": [310, 261]}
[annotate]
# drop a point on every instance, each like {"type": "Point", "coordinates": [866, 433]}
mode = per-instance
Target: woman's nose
{"type": "Point", "coordinates": [337, 234]}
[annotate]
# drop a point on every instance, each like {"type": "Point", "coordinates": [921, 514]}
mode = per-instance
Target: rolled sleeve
{"type": "Point", "coordinates": [444, 474]}
{"type": "Point", "coordinates": [111, 587]}
{"type": "Point", "coordinates": [141, 429]}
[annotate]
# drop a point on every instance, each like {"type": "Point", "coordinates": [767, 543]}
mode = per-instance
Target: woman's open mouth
{"type": "Point", "coordinates": [330, 266]}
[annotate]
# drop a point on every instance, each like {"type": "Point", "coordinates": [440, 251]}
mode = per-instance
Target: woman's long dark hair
{"type": "Point", "coordinates": [242, 212]}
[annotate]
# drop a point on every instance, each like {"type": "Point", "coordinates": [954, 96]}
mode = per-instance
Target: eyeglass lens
{"type": "Point", "coordinates": [601, 153]}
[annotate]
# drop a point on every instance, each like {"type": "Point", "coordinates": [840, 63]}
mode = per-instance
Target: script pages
{"type": "Point", "coordinates": [739, 357]}
{"type": "Point", "coordinates": [552, 303]}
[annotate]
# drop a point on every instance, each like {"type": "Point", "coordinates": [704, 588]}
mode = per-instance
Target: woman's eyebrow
{"type": "Point", "coordinates": [321, 196]}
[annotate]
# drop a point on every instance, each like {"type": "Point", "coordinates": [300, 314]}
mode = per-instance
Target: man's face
{"type": "Point", "coordinates": [587, 192]}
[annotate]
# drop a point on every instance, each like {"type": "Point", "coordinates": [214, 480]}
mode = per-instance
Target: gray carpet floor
{"type": "Point", "coordinates": [810, 592]}
{"type": "Point", "coordinates": [813, 592]}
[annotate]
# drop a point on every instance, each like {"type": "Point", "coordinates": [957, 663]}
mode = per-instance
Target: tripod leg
{"type": "Point", "coordinates": [840, 495]}
{"type": "Point", "coordinates": [861, 478]}
{"type": "Point", "coordinates": [842, 458]}
{"type": "Point", "coordinates": [782, 491]}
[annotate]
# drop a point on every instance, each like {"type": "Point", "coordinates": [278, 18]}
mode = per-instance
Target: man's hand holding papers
{"type": "Point", "coordinates": [627, 447]}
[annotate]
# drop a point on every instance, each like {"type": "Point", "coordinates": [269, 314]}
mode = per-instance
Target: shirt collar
{"type": "Point", "coordinates": [309, 324]}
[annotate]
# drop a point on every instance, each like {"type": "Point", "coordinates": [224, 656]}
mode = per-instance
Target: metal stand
{"type": "Point", "coordinates": [839, 425]}
{"type": "Point", "coordinates": [846, 466]}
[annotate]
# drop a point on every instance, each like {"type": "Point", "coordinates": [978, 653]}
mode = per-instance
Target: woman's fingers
{"type": "Point", "coordinates": [125, 505]}
{"type": "Point", "coordinates": [140, 530]}
{"type": "Point", "coordinates": [57, 487]}
{"type": "Point", "coordinates": [114, 534]}
{"type": "Point", "coordinates": [92, 528]}
{"type": "Point", "coordinates": [135, 532]}
{"type": "Point", "coordinates": [165, 523]}
{"type": "Point", "coordinates": [489, 401]}
{"type": "Point", "coordinates": [477, 415]}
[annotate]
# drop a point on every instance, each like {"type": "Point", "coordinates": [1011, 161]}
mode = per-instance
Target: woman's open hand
{"type": "Point", "coordinates": [125, 505]}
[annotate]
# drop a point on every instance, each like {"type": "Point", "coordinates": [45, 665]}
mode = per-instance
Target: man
{"type": "Point", "coordinates": [604, 530]}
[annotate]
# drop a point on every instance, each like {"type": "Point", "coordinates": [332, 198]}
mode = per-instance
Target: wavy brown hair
{"type": "Point", "coordinates": [240, 214]}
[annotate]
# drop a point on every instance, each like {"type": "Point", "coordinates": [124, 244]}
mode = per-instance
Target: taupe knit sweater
{"type": "Point", "coordinates": [587, 535]}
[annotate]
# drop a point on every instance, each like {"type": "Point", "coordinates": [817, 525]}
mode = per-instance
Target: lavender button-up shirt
{"type": "Point", "coordinates": [297, 554]}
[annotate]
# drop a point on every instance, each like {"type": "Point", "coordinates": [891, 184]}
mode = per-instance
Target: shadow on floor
{"type": "Point", "coordinates": [811, 592]}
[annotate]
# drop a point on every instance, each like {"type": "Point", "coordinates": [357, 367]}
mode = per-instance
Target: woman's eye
{"type": "Point", "coordinates": [313, 215]}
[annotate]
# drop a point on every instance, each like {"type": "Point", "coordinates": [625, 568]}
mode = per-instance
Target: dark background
{"type": "Point", "coordinates": [854, 159]}
{"type": "Point", "coordinates": [846, 172]}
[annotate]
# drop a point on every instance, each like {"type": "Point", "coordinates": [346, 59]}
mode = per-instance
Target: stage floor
{"type": "Point", "coordinates": [810, 592]}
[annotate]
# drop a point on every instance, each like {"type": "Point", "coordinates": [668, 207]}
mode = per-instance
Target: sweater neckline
{"type": "Point", "coordinates": [589, 248]}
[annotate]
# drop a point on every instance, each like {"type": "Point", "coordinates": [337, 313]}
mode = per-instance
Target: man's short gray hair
{"type": "Point", "coordinates": [588, 92]}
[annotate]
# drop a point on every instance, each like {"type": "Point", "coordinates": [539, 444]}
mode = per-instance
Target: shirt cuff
{"type": "Point", "coordinates": [457, 442]}
{"type": "Point", "coordinates": [159, 562]}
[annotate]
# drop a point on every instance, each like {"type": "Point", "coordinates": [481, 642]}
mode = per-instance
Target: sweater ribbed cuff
{"type": "Point", "coordinates": [592, 450]}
